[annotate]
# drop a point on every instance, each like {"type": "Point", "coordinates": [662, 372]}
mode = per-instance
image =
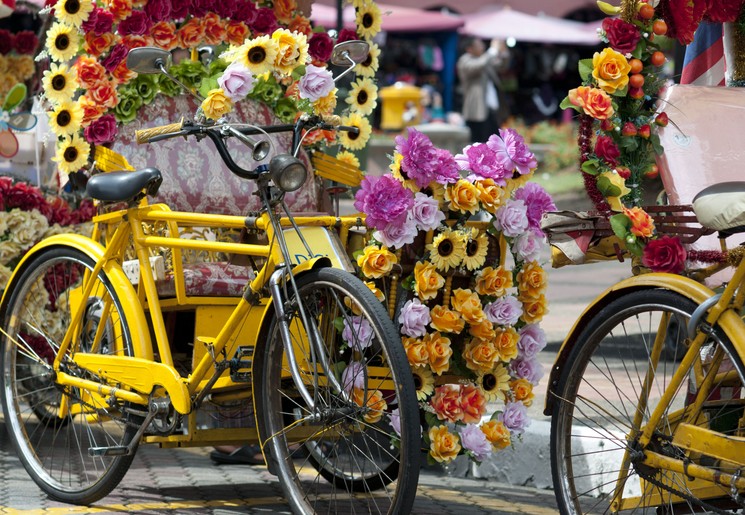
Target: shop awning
{"type": "Point", "coordinates": [394, 18]}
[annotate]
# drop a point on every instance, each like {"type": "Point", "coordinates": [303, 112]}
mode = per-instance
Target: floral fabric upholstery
{"type": "Point", "coordinates": [218, 279]}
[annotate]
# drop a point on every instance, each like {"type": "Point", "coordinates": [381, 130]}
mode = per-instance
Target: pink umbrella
{"type": "Point", "coordinates": [394, 18]}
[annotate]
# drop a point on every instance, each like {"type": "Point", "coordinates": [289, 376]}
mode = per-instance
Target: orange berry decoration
{"type": "Point", "coordinates": [646, 12]}
{"type": "Point", "coordinates": [636, 65]}
{"type": "Point", "coordinates": [659, 27]}
{"type": "Point", "coordinates": [658, 58]}
{"type": "Point", "coordinates": [636, 80]}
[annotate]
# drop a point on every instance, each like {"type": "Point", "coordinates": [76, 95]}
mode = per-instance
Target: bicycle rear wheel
{"type": "Point", "coordinates": [598, 410]}
{"type": "Point", "coordinates": [52, 427]}
{"type": "Point", "coordinates": [358, 450]}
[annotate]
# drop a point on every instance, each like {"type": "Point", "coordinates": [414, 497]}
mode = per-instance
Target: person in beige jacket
{"type": "Point", "coordinates": [477, 71]}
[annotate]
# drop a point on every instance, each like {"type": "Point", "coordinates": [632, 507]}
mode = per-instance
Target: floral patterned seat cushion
{"type": "Point", "coordinates": [219, 279]}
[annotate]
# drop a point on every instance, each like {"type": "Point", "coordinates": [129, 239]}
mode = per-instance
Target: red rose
{"type": "Point", "coordinates": [622, 36]}
{"type": "Point", "coordinates": [607, 150]}
{"type": "Point", "coordinates": [116, 56]}
{"type": "Point", "coordinates": [446, 403]}
{"type": "Point", "coordinates": [27, 198]}
{"type": "Point", "coordinates": [346, 35]}
{"type": "Point", "coordinates": [84, 212]}
{"type": "Point", "coordinates": [472, 403]}
{"type": "Point", "coordinates": [265, 21]}
{"type": "Point", "coordinates": [320, 46]}
{"type": "Point", "coordinates": [102, 130]}
{"type": "Point", "coordinates": [25, 42]}
{"type": "Point", "coordinates": [61, 213]}
{"type": "Point", "coordinates": [6, 41]}
{"type": "Point", "coordinates": [136, 23]}
{"type": "Point", "coordinates": [664, 255]}
{"type": "Point", "coordinates": [158, 10]}
{"type": "Point", "coordinates": [682, 18]}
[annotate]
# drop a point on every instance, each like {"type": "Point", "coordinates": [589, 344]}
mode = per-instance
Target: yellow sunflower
{"type": "Point", "coordinates": [494, 384]}
{"type": "Point", "coordinates": [73, 12]}
{"type": "Point", "coordinates": [347, 157]}
{"type": "Point", "coordinates": [447, 250]}
{"type": "Point", "coordinates": [368, 20]}
{"type": "Point", "coordinates": [363, 97]}
{"type": "Point", "coordinates": [72, 153]}
{"type": "Point", "coordinates": [66, 118]}
{"type": "Point", "coordinates": [518, 181]}
{"type": "Point", "coordinates": [353, 141]}
{"type": "Point", "coordinates": [62, 42]}
{"type": "Point", "coordinates": [424, 382]}
{"type": "Point", "coordinates": [258, 54]}
{"type": "Point", "coordinates": [59, 83]}
{"type": "Point", "coordinates": [476, 249]}
{"type": "Point", "coordinates": [399, 174]}
{"type": "Point", "coordinates": [369, 66]}
{"type": "Point", "coordinates": [292, 50]}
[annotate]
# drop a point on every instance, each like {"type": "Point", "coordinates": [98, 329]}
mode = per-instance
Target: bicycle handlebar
{"type": "Point", "coordinates": [166, 131]}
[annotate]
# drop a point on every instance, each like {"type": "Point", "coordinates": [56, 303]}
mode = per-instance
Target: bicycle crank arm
{"type": "Point", "coordinates": [156, 407]}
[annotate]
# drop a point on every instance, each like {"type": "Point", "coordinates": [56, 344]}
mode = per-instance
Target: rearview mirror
{"type": "Point", "coordinates": [349, 52]}
{"type": "Point", "coordinates": [148, 60]}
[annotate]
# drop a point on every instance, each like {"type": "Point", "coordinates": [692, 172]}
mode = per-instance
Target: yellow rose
{"type": "Point", "coordinates": [376, 262]}
{"type": "Point", "coordinates": [416, 351]}
{"type": "Point", "coordinates": [522, 390]}
{"type": "Point", "coordinates": [620, 183]}
{"type": "Point", "coordinates": [468, 304]}
{"type": "Point", "coordinates": [497, 434]}
{"type": "Point", "coordinates": [493, 281]}
{"type": "Point", "coordinates": [446, 320]}
{"type": "Point", "coordinates": [463, 196]}
{"type": "Point", "coordinates": [428, 281]}
{"type": "Point", "coordinates": [506, 343]}
{"type": "Point", "coordinates": [531, 280]}
{"type": "Point", "coordinates": [480, 355]}
{"type": "Point", "coordinates": [378, 294]}
{"type": "Point", "coordinates": [326, 105]}
{"type": "Point", "coordinates": [490, 194]}
{"type": "Point", "coordinates": [611, 70]}
{"type": "Point", "coordinates": [444, 446]}
{"type": "Point", "coordinates": [438, 348]}
{"type": "Point", "coordinates": [375, 404]}
{"type": "Point", "coordinates": [217, 104]}
{"type": "Point", "coordinates": [484, 330]}
{"type": "Point", "coordinates": [533, 309]}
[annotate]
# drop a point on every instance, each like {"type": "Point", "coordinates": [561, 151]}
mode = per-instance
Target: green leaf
{"type": "Point", "coordinates": [339, 324]}
{"type": "Point", "coordinates": [208, 83]}
{"type": "Point", "coordinates": [357, 253]}
{"type": "Point", "coordinates": [621, 224]}
{"type": "Point", "coordinates": [621, 92]}
{"type": "Point", "coordinates": [635, 248]}
{"type": "Point", "coordinates": [298, 72]}
{"type": "Point", "coordinates": [408, 283]}
{"type": "Point", "coordinates": [431, 419]}
{"type": "Point", "coordinates": [15, 96]}
{"type": "Point", "coordinates": [591, 166]}
{"type": "Point", "coordinates": [607, 188]}
{"type": "Point", "coordinates": [641, 46]}
{"type": "Point", "coordinates": [567, 104]}
{"type": "Point", "coordinates": [629, 143]}
{"type": "Point", "coordinates": [654, 139]}
{"type": "Point", "coordinates": [585, 69]}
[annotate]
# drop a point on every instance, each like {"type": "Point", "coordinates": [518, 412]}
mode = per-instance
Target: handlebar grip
{"type": "Point", "coordinates": [144, 135]}
{"type": "Point", "coordinates": [332, 119]}
{"type": "Point", "coordinates": [352, 129]}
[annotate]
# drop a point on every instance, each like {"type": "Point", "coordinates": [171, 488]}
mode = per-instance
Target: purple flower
{"type": "Point", "coordinates": [199, 8]}
{"type": "Point", "coordinates": [515, 417]}
{"type": "Point", "coordinates": [116, 56]}
{"type": "Point", "coordinates": [448, 171]}
{"type": "Point", "coordinates": [504, 311]}
{"type": "Point", "coordinates": [357, 332]}
{"type": "Point", "coordinates": [512, 218]}
{"type": "Point", "coordinates": [102, 130]}
{"type": "Point", "coordinates": [480, 159]}
{"type": "Point", "coordinates": [414, 318]}
{"type": "Point", "coordinates": [237, 81]}
{"type": "Point", "coordinates": [524, 368]}
{"type": "Point", "coordinates": [420, 157]}
{"type": "Point", "coordinates": [136, 23]}
{"type": "Point", "coordinates": [316, 83]}
{"type": "Point", "coordinates": [353, 376]}
{"type": "Point", "coordinates": [347, 35]}
{"type": "Point", "coordinates": [320, 46]}
{"type": "Point", "coordinates": [265, 21]}
{"type": "Point", "coordinates": [473, 439]}
{"type": "Point", "coordinates": [532, 341]}
{"type": "Point", "coordinates": [396, 421]}
{"type": "Point", "coordinates": [383, 200]}
{"type": "Point", "coordinates": [537, 201]}
{"type": "Point", "coordinates": [396, 235]}
{"type": "Point", "coordinates": [104, 22]}
{"type": "Point", "coordinates": [158, 10]}
{"type": "Point", "coordinates": [180, 9]}
{"type": "Point", "coordinates": [531, 246]}
{"type": "Point", "coordinates": [90, 23]}
{"type": "Point", "coordinates": [426, 212]}
{"type": "Point", "coordinates": [245, 12]}
{"type": "Point", "coordinates": [511, 151]}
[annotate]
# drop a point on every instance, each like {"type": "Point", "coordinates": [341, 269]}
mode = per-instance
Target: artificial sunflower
{"type": "Point", "coordinates": [518, 181]}
{"type": "Point", "coordinates": [363, 97]}
{"type": "Point", "coordinates": [59, 83]}
{"type": "Point", "coordinates": [369, 67]}
{"type": "Point", "coordinates": [73, 12]}
{"type": "Point", "coordinates": [400, 174]}
{"type": "Point", "coordinates": [66, 118]}
{"type": "Point", "coordinates": [424, 382]}
{"type": "Point", "coordinates": [63, 42]}
{"type": "Point", "coordinates": [494, 384]}
{"type": "Point", "coordinates": [258, 54]}
{"type": "Point", "coordinates": [353, 141]}
{"type": "Point", "coordinates": [447, 250]}
{"type": "Point", "coordinates": [368, 20]}
{"type": "Point", "coordinates": [72, 153]}
{"type": "Point", "coordinates": [476, 248]}
{"type": "Point", "coordinates": [347, 157]}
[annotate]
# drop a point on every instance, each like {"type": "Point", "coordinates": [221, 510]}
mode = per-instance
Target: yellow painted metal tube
{"type": "Point", "coordinates": [101, 389]}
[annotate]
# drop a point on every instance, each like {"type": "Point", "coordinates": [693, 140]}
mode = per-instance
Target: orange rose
{"type": "Point", "coordinates": [120, 8]}
{"type": "Point", "coordinates": [446, 403]}
{"type": "Point", "coordinates": [468, 304]}
{"type": "Point", "coordinates": [438, 348]}
{"type": "Point", "coordinates": [472, 403]}
{"type": "Point", "coordinates": [446, 320]}
{"type": "Point", "coordinates": [97, 45]}
{"type": "Point", "coordinates": [427, 281]}
{"type": "Point", "coordinates": [122, 74]}
{"type": "Point", "coordinates": [284, 9]}
{"type": "Point", "coordinates": [490, 193]}
{"type": "Point", "coordinates": [463, 196]}
{"type": "Point", "coordinates": [534, 309]}
{"type": "Point", "coordinates": [484, 330]}
{"type": "Point", "coordinates": [444, 446]}
{"type": "Point", "coordinates": [611, 70]}
{"type": "Point", "coordinates": [642, 224]}
{"type": "Point", "coordinates": [164, 35]}
{"type": "Point", "coordinates": [236, 32]}
{"type": "Point", "coordinates": [103, 94]}
{"type": "Point", "coordinates": [191, 34]}
{"type": "Point", "coordinates": [493, 281]}
{"type": "Point", "coordinates": [301, 25]}
{"type": "Point", "coordinates": [531, 280]}
{"type": "Point", "coordinates": [91, 110]}
{"type": "Point", "coordinates": [375, 404]}
{"type": "Point", "coordinates": [593, 101]}
{"type": "Point", "coordinates": [522, 390]}
{"type": "Point", "coordinates": [480, 355]}
{"type": "Point", "coordinates": [376, 262]}
{"type": "Point", "coordinates": [214, 29]}
{"type": "Point", "coordinates": [134, 41]}
{"type": "Point", "coordinates": [506, 343]}
{"type": "Point", "coordinates": [497, 434]}
{"type": "Point", "coordinates": [89, 71]}
{"type": "Point", "coordinates": [416, 351]}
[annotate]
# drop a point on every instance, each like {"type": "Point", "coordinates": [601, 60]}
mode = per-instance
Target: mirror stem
{"type": "Point", "coordinates": [353, 64]}
{"type": "Point", "coordinates": [174, 79]}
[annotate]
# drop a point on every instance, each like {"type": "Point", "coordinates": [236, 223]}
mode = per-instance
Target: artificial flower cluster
{"type": "Point", "coordinates": [16, 63]}
{"type": "Point", "coordinates": [469, 322]}
{"type": "Point", "coordinates": [91, 90]}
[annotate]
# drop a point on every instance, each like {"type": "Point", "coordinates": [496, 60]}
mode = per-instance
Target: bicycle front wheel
{"type": "Point", "coordinates": [53, 427]}
{"type": "Point", "coordinates": [600, 407]}
{"type": "Point", "coordinates": [357, 449]}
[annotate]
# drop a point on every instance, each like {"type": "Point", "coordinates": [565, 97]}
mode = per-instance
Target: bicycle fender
{"type": "Point", "coordinates": [133, 311]}
{"type": "Point", "coordinates": [730, 323]}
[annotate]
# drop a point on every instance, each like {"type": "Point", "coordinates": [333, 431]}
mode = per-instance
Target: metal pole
{"type": "Point", "coordinates": [339, 15]}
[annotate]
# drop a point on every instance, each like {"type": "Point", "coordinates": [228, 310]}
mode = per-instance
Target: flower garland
{"type": "Point", "coordinates": [269, 51]}
{"type": "Point", "coordinates": [16, 63]}
{"type": "Point", "coordinates": [617, 110]}
{"type": "Point", "coordinates": [469, 322]}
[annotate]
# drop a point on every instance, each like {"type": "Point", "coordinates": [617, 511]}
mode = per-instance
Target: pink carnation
{"type": "Point", "coordinates": [511, 151]}
{"type": "Point", "coordinates": [383, 200]}
{"type": "Point", "coordinates": [420, 157]}
{"type": "Point", "coordinates": [537, 201]}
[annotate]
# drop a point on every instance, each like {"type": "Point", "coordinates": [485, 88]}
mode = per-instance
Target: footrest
{"type": "Point", "coordinates": [240, 365]}
{"type": "Point", "coordinates": [116, 450]}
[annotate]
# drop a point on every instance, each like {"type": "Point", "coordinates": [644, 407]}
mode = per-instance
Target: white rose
{"type": "Point", "coordinates": [8, 250]}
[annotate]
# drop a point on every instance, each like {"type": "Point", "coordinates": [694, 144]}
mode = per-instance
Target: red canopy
{"type": "Point", "coordinates": [394, 18]}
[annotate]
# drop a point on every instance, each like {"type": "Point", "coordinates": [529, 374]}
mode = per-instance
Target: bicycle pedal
{"type": "Point", "coordinates": [116, 450]}
{"type": "Point", "coordinates": [240, 368]}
